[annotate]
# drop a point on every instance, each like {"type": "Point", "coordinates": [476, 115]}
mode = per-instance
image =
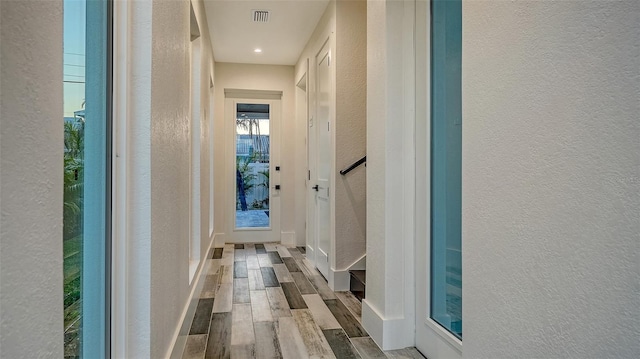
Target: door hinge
{"type": "Point", "coordinates": [309, 175]}
{"type": "Point", "coordinates": [328, 123]}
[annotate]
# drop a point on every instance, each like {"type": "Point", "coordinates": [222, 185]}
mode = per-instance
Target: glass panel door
{"type": "Point", "coordinates": [253, 147]}
{"type": "Point", "coordinates": [87, 174]}
{"type": "Point", "coordinates": [446, 164]}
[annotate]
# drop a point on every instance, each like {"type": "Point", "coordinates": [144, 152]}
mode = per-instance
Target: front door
{"type": "Point", "coordinates": [323, 159]}
{"type": "Point", "coordinates": [253, 170]}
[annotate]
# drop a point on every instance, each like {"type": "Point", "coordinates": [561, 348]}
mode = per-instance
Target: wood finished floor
{"type": "Point", "coordinates": [267, 301]}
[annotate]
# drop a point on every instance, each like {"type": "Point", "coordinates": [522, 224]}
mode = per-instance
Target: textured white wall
{"type": "Point", "coordinates": [31, 149]}
{"type": "Point", "coordinates": [255, 77]}
{"type": "Point", "coordinates": [551, 179]}
{"type": "Point", "coordinates": [170, 114]}
{"type": "Point", "coordinates": [170, 170]}
{"type": "Point", "coordinates": [153, 110]}
{"type": "Point", "coordinates": [350, 131]}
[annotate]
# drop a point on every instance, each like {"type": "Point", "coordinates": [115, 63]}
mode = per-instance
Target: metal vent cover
{"type": "Point", "coordinates": [260, 15]}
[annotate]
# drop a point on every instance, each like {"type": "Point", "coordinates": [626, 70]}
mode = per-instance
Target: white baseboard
{"type": "Point", "coordinates": [184, 325]}
{"type": "Point", "coordinates": [388, 333]}
{"type": "Point", "coordinates": [288, 238]}
{"type": "Point", "coordinates": [301, 239]}
{"type": "Point", "coordinates": [218, 240]}
{"type": "Point", "coordinates": [339, 280]}
{"type": "Point", "coordinates": [311, 255]}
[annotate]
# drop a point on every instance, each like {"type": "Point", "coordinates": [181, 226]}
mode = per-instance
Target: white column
{"type": "Point", "coordinates": [388, 310]}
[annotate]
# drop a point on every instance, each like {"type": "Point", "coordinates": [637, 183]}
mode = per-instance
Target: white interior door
{"type": "Point", "coordinates": [323, 158]}
{"type": "Point", "coordinates": [306, 90]}
{"type": "Point", "coordinates": [253, 169]}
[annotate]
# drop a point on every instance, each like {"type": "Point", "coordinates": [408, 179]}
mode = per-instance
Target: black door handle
{"type": "Point", "coordinates": [316, 188]}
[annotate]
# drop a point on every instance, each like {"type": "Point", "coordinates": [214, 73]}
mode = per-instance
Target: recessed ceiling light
{"type": "Point", "coordinates": [257, 51]}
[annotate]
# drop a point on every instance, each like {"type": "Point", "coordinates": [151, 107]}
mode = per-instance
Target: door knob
{"type": "Point", "coordinates": [316, 188]}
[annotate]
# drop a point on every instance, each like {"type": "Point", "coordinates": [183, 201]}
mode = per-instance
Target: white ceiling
{"type": "Point", "coordinates": [234, 35]}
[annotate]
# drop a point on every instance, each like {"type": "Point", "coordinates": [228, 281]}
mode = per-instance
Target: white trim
{"type": "Point", "coordinates": [211, 151]}
{"type": "Point", "coordinates": [300, 188]}
{"type": "Point", "coordinates": [288, 238]}
{"type": "Point", "coordinates": [444, 334]}
{"type": "Point", "coordinates": [360, 264]}
{"type": "Point", "coordinates": [302, 72]}
{"type": "Point", "coordinates": [262, 234]}
{"type": "Point", "coordinates": [310, 254]}
{"type": "Point", "coordinates": [327, 46]}
{"type": "Point", "coordinates": [119, 194]}
{"type": "Point", "coordinates": [250, 229]}
{"type": "Point", "coordinates": [219, 240]}
{"type": "Point", "coordinates": [388, 333]}
{"type": "Point", "coordinates": [193, 268]}
{"type": "Point", "coordinates": [339, 280]}
{"type": "Point", "coordinates": [253, 94]}
{"type": "Point", "coordinates": [131, 244]}
{"type": "Point", "coordinates": [195, 156]}
{"type": "Point", "coordinates": [406, 325]}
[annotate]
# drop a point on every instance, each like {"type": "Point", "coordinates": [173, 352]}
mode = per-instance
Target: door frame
{"type": "Point", "coordinates": [305, 116]}
{"type": "Point", "coordinates": [274, 99]}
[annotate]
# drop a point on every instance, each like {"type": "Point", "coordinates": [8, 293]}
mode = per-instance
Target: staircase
{"type": "Point", "coordinates": [358, 276]}
{"type": "Point", "coordinates": [357, 285]}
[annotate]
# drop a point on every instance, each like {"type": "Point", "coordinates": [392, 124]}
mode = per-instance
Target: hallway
{"type": "Point", "coordinates": [268, 301]}
{"type": "Point", "coordinates": [497, 215]}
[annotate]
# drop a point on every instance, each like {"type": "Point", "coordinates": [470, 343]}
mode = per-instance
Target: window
{"type": "Point", "coordinates": [446, 164]}
{"type": "Point", "coordinates": [87, 177]}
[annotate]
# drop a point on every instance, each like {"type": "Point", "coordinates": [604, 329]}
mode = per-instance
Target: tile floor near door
{"type": "Point", "coordinates": [267, 301]}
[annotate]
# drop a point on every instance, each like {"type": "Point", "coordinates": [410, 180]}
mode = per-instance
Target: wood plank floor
{"type": "Point", "coordinates": [267, 301]}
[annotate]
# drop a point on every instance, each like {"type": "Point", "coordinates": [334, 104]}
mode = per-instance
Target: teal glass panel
{"type": "Point", "coordinates": [253, 147]}
{"type": "Point", "coordinates": [87, 180]}
{"type": "Point", "coordinates": [446, 164]}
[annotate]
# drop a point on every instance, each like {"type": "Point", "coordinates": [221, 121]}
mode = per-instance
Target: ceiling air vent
{"type": "Point", "coordinates": [260, 15]}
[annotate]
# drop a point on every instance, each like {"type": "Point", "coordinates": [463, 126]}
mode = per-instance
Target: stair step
{"type": "Point", "coordinates": [358, 283]}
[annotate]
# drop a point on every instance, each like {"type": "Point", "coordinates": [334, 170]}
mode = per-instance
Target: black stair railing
{"type": "Point", "coordinates": [354, 165]}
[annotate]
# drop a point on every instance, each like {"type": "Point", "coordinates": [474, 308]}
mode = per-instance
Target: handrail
{"type": "Point", "coordinates": [354, 165]}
